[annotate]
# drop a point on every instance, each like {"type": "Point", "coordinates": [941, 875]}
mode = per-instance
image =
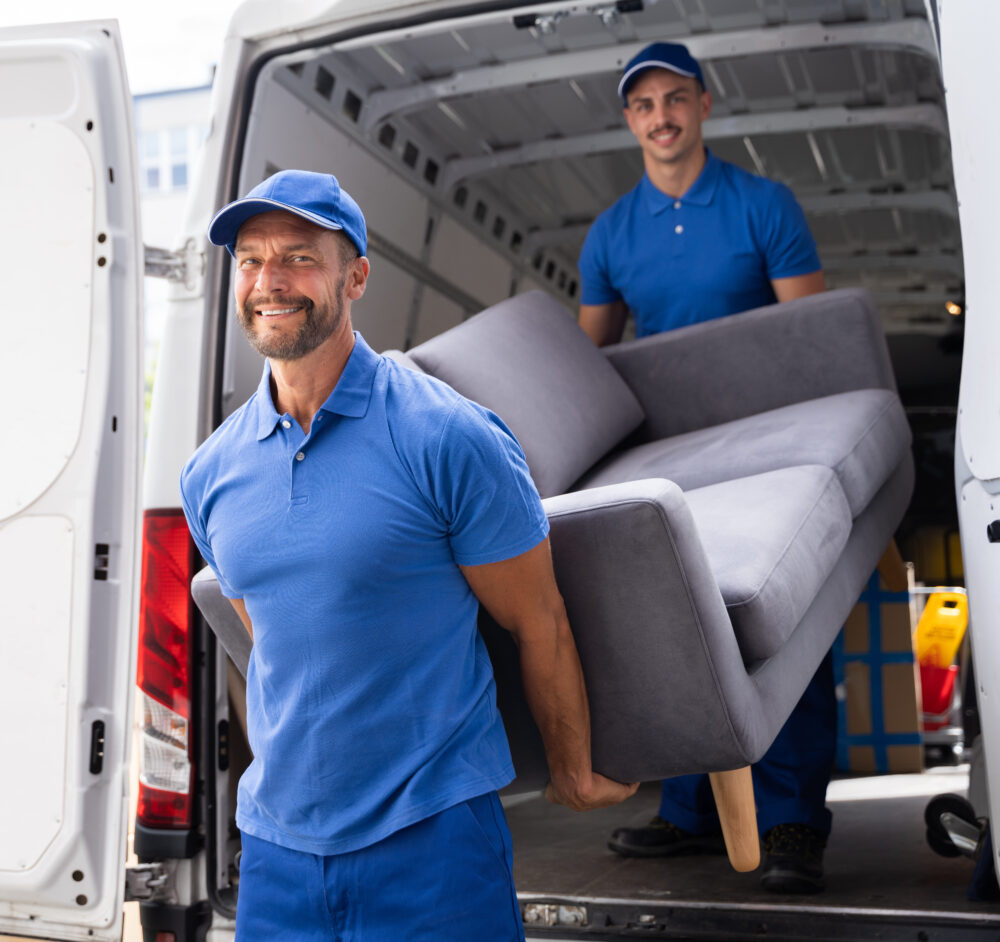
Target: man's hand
{"type": "Point", "coordinates": [597, 792]}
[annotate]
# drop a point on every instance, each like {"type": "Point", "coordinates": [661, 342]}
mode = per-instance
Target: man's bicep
{"type": "Point", "coordinates": [519, 590]}
{"type": "Point", "coordinates": [798, 286]}
{"type": "Point", "coordinates": [604, 323]}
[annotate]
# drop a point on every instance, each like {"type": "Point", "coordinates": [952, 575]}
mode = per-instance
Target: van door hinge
{"type": "Point", "coordinates": [185, 266]}
{"type": "Point", "coordinates": [146, 882]}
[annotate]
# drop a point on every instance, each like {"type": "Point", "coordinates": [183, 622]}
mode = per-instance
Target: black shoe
{"type": "Point", "coordinates": [794, 859]}
{"type": "Point", "coordinates": [660, 838]}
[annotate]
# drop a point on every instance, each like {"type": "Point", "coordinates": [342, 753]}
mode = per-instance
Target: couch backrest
{"type": "Point", "coordinates": [527, 360]}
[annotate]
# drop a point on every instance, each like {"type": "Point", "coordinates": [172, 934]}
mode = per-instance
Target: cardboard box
{"type": "Point", "coordinates": [878, 692]}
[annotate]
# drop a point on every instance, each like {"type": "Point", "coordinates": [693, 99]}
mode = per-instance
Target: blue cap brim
{"type": "Point", "coordinates": [225, 225]}
{"type": "Point", "coordinates": [630, 75]}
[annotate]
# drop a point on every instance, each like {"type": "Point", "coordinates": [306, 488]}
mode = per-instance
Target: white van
{"type": "Point", "coordinates": [481, 138]}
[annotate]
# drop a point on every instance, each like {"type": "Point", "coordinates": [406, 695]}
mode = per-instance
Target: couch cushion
{"type": "Point", "coordinates": [528, 361]}
{"type": "Point", "coordinates": [861, 435]}
{"type": "Point", "coordinates": [771, 540]}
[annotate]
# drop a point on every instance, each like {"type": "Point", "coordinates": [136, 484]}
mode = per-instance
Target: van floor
{"type": "Point", "coordinates": [880, 872]}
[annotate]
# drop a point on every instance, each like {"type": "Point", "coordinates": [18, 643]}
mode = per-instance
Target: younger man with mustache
{"type": "Point", "coordinates": [699, 238]}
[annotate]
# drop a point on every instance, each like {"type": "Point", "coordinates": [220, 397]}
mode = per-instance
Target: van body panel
{"type": "Point", "coordinates": [966, 57]}
{"type": "Point", "coordinates": [69, 491]}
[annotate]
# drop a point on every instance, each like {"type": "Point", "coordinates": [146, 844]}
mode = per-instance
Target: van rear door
{"type": "Point", "coordinates": [70, 377]}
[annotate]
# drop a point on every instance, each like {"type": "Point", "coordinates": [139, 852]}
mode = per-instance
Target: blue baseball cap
{"type": "Point", "coordinates": [317, 197]}
{"type": "Point", "coordinates": [671, 56]}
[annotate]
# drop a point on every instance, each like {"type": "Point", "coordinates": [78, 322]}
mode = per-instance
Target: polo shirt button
{"type": "Point", "coordinates": [285, 423]}
{"type": "Point", "coordinates": [678, 229]}
{"type": "Point", "coordinates": [677, 204]}
{"type": "Point", "coordinates": [300, 456]}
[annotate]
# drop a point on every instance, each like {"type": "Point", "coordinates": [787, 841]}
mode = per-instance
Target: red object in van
{"type": "Point", "coordinates": [938, 685]}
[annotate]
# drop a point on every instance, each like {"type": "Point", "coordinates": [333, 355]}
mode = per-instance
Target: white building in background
{"type": "Point", "coordinates": [170, 127]}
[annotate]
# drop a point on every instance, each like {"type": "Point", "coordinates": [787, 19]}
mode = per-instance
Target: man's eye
{"type": "Point", "coordinates": [248, 262]}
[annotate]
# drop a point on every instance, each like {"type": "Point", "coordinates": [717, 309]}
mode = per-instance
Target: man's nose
{"type": "Point", "coordinates": [271, 277]}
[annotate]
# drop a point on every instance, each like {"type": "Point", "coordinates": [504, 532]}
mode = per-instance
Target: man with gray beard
{"type": "Point", "coordinates": [356, 514]}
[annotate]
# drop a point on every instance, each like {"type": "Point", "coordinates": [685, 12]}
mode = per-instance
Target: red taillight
{"type": "Point", "coordinates": [165, 770]}
{"type": "Point", "coordinates": [160, 809]}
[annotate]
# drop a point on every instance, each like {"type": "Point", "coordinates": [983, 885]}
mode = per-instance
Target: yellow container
{"type": "Point", "coordinates": [941, 628]}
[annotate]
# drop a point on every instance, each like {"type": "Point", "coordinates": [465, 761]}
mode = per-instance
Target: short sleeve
{"type": "Point", "coordinates": [197, 525]}
{"type": "Point", "coordinates": [483, 489]}
{"type": "Point", "coordinates": [595, 277]}
{"type": "Point", "coordinates": [790, 249]}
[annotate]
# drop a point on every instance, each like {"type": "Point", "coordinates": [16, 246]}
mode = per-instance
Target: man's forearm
{"type": "Point", "coordinates": [556, 694]}
{"type": "Point", "coordinates": [603, 323]}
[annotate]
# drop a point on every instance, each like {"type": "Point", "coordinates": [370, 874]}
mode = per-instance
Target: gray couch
{"type": "Point", "coordinates": [718, 496]}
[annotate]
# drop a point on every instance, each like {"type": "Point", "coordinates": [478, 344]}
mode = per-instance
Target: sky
{"type": "Point", "coordinates": [168, 43]}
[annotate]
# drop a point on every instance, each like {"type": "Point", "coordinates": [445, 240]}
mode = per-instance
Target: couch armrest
{"type": "Point", "coordinates": [222, 618]}
{"type": "Point", "coordinates": [667, 686]}
{"type": "Point", "coordinates": [752, 362]}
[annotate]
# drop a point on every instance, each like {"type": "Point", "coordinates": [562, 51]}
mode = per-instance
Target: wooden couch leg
{"type": "Point", "coordinates": [734, 800]}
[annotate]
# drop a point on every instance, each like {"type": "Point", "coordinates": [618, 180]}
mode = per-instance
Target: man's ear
{"type": "Point", "coordinates": [357, 277]}
{"type": "Point", "coordinates": [706, 104]}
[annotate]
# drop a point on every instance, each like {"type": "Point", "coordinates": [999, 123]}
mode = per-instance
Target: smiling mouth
{"type": "Point", "coordinates": [664, 135]}
{"type": "Point", "coordinates": [277, 312]}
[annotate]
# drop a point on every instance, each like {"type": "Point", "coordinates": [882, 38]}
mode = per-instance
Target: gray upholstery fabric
{"type": "Point", "coordinates": [528, 361]}
{"type": "Point", "coordinates": [753, 362]}
{"type": "Point", "coordinates": [649, 624]}
{"type": "Point", "coordinates": [772, 540]}
{"type": "Point", "coordinates": [778, 683]}
{"type": "Point", "coordinates": [403, 359]}
{"type": "Point", "coordinates": [669, 691]}
{"type": "Point", "coordinates": [861, 435]}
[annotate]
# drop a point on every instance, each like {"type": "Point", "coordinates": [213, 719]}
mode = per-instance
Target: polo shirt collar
{"type": "Point", "coordinates": [700, 193]}
{"type": "Point", "coordinates": [350, 397]}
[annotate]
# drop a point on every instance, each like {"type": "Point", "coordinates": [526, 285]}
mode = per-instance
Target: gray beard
{"type": "Point", "coordinates": [317, 325]}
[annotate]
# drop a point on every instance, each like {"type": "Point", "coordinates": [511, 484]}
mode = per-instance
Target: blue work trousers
{"type": "Point", "coordinates": [444, 879]}
{"type": "Point", "coordinates": [789, 783]}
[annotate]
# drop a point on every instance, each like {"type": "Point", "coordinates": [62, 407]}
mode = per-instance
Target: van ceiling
{"type": "Point", "coordinates": [510, 121]}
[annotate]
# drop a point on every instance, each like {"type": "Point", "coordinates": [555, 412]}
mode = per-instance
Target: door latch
{"type": "Point", "coordinates": [147, 882]}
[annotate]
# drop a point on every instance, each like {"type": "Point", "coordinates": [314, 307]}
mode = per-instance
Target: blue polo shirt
{"type": "Point", "coordinates": [370, 696]}
{"type": "Point", "coordinates": [710, 253]}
